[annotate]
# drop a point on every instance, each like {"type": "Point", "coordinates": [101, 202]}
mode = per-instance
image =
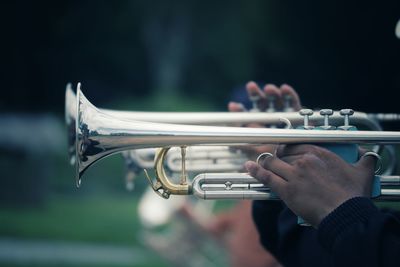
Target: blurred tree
{"type": "Point", "coordinates": [165, 33]}
{"type": "Point", "coordinates": [332, 52]}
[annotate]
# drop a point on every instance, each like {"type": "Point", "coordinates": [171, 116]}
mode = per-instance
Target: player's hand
{"type": "Point", "coordinates": [313, 181]}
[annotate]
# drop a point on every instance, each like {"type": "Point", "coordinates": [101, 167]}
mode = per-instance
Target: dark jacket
{"type": "Point", "coordinates": [354, 234]}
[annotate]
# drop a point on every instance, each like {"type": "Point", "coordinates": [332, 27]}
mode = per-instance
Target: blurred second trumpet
{"type": "Point", "coordinates": [198, 158]}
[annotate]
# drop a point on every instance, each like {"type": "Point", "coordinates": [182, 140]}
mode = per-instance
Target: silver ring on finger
{"type": "Point", "coordinates": [263, 155]}
{"type": "Point", "coordinates": [378, 165]}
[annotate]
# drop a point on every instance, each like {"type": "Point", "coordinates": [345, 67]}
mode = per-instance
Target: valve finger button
{"type": "Point", "coordinates": [346, 113]}
{"type": "Point", "coordinates": [306, 113]}
{"type": "Point", "coordinates": [326, 113]}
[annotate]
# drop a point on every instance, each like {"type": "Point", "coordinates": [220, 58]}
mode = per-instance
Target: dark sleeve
{"type": "Point", "coordinates": [358, 234]}
{"type": "Point", "coordinates": [293, 245]}
{"type": "Point", "coordinates": [265, 216]}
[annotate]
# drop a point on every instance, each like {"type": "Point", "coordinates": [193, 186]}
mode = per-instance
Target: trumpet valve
{"type": "Point", "coordinates": [326, 113]}
{"type": "Point", "coordinates": [346, 113]}
{"type": "Point", "coordinates": [306, 113]}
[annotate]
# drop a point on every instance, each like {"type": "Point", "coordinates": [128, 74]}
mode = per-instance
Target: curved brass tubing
{"type": "Point", "coordinates": [163, 185]}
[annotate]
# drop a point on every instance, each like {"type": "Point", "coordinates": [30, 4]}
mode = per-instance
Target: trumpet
{"type": "Point", "coordinates": [290, 119]}
{"type": "Point", "coordinates": [98, 134]}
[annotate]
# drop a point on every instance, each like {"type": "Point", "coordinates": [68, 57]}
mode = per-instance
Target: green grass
{"type": "Point", "coordinates": [109, 219]}
{"type": "Point", "coordinates": [105, 219]}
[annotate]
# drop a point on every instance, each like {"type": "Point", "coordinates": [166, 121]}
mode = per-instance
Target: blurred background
{"type": "Point", "coordinates": [158, 55]}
